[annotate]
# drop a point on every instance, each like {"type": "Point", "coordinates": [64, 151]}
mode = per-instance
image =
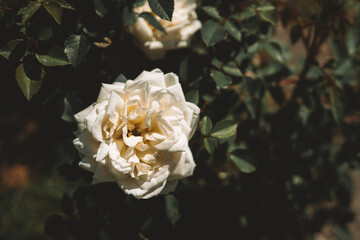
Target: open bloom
{"type": "Point", "coordinates": [137, 133]}
{"type": "Point", "coordinates": [155, 43]}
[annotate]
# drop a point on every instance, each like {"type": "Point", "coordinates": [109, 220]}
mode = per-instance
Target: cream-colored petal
{"type": "Point", "coordinates": [184, 165]}
{"type": "Point", "coordinates": [85, 144]}
{"type": "Point", "coordinates": [181, 144]}
{"type": "Point", "coordinates": [88, 164]}
{"type": "Point", "coordinates": [141, 30]}
{"type": "Point", "coordinates": [103, 151]}
{"type": "Point", "coordinates": [102, 174]}
{"type": "Point", "coordinates": [145, 189]}
{"type": "Point", "coordinates": [106, 90]}
{"type": "Point", "coordinates": [114, 108]}
{"type": "Point", "coordinates": [132, 140]}
{"type": "Point", "coordinates": [80, 117]}
{"type": "Point", "coordinates": [193, 121]}
{"type": "Point", "coordinates": [171, 79]}
{"type": "Point", "coordinates": [155, 77]}
{"type": "Point", "coordinates": [96, 129]}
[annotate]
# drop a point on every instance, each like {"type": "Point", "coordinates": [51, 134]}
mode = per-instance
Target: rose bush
{"type": "Point", "coordinates": [155, 43]}
{"type": "Point", "coordinates": [137, 133]}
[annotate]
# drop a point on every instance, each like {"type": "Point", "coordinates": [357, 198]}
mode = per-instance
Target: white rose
{"type": "Point", "coordinates": [137, 134]}
{"type": "Point", "coordinates": [155, 43]}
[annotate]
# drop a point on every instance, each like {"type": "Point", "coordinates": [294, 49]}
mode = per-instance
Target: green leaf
{"type": "Point", "coordinates": [274, 50]}
{"type": "Point", "coordinates": [246, 13]}
{"type": "Point", "coordinates": [163, 8]}
{"type": "Point", "coordinates": [210, 143]}
{"type": "Point", "coordinates": [352, 39]}
{"type": "Point", "coordinates": [224, 129]}
{"type": "Point", "coordinates": [268, 13]}
{"type": "Point", "coordinates": [253, 91]}
{"type": "Point", "coordinates": [216, 63]}
{"type": "Point", "coordinates": [337, 104]}
{"type": "Point", "coordinates": [45, 32]}
{"type": "Point", "coordinates": [193, 96]}
{"type": "Point", "coordinates": [28, 86]}
{"type": "Point", "coordinates": [221, 80]}
{"type": "Point", "coordinates": [212, 12]}
{"type": "Point", "coordinates": [342, 233]}
{"type": "Point", "coordinates": [6, 50]}
{"type": "Point", "coordinates": [64, 4]}
{"type": "Point", "coordinates": [212, 33]}
{"type": "Point", "coordinates": [183, 70]}
{"type": "Point", "coordinates": [152, 20]}
{"type": "Point", "coordinates": [129, 16]}
{"type": "Point", "coordinates": [265, 8]}
{"type": "Point", "coordinates": [54, 10]}
{"type": "Point", "coordinates": [205, 125]}
{"type": "Point", "coordinates": [138, 3]}
{"type": "Point", "coordinates": [172, 209]}
{"type": "Point", "coordinates": [61, 3]}
{"type": "Point", "coordinates": [244, 160]}
{"type": "Point", "coordinates": [72, 105]}
{"type": "Point", "coordinates": [76, 48]}
{"type": "Point", "coordinates": [54, 57]}
{"type": "Point", "coordinates": [233, 30]}
{"type": "Point", "coordinates": [100, 9]}
{"type": "Point", "coordinates": [253, 106]}
{"type": "Point", "coordinates": [30, 10]}
{"type": "Point", "coordinates": [232, 69]}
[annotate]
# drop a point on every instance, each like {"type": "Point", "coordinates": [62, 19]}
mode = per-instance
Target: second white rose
{"type": "Point", "coordinates": [155, 43]}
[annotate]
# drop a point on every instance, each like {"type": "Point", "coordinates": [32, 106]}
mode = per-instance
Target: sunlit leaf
{"type": "Point", "coordinates": [100, 8]}
{"type": "Point", "coordinates": [233, 30]}
{"type": "Point", "coordinates": [224, 129]}
{"type": "Point", "coordinates": [212, 12]}
{"type": "Point", "coordinates": [6, 50]}
{"type": "Point", "coordinates": [193, 96]}
{"type": "Point", "coordinates": [212, 33]}
{"type": "Point", "coordinates": [54, 10]}
{"type": "Point", "coordinates": [210, 144]}
{"type": "Point", "coordinates": [221, 80]}
{"type": "Point", "coordinates": [76, 48]}
{"type": "Point", "coordinates": [54, 57]}
{"type": "Point", "coordinates": [205, 125]}
{"type": "Point", "coordinates": [268, 13]}
{"type": "Point", "coordinates": [232, 69]}
{"type": "Point", "coordinates": [244, 160]}
{"type": "Point", "coordinates": [29, 87]}
{"type": "Point", "coordinates": [30, 10]}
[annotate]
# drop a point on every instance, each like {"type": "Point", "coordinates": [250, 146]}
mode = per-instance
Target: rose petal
{"type": "Point", "coordinates": [102, 175]}
{"type": "Point", "coordinates": [85, 144]}
{"type": "Point", "coordinates": [80, 117]}
{"type": "Point", "coordinates": [103, 151]}
{"type": "Point", "coordinates": [115, 106]}
{"type": "Point", "coordinates": [184, 165]}
{"type": "Point", "coordinates": [88, 164]}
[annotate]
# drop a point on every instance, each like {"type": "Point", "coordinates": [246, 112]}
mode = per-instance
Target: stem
{"type": "Point", "coordinates": [318, 39]}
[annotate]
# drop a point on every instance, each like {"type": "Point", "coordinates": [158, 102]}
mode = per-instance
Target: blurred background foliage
{"type": "Point", "coordinates": [277, 148]}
